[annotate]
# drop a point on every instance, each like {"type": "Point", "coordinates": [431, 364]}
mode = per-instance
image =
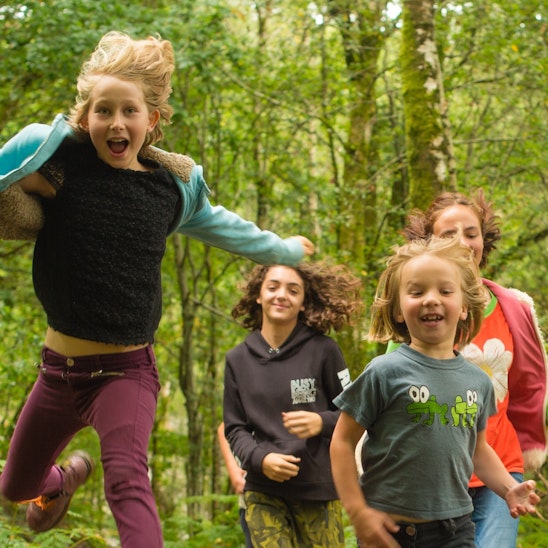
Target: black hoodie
{"type": "Point", "coordinates": [305, 373]}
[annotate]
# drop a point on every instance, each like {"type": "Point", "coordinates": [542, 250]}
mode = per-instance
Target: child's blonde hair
{"type": "Point", "coordinates": [149, 62]}
{"type": "Point", "coordinates": [386, 306]}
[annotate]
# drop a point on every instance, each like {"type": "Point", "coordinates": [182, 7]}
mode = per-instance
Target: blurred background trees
{"type": "Point", "coordinates": [329, 119]}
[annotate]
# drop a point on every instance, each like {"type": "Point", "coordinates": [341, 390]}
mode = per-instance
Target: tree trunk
{"type": "Point", "coordinates": [427, 132]}
{"type": "Point", "coordinates": [360, 27]}
{"type": "Point", "coordinates": [193, 468]}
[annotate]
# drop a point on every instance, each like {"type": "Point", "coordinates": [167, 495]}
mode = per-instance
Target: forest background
{"type": "Point", "coordinates": [331, 119]}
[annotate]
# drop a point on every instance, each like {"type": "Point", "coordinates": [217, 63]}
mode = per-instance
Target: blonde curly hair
{"type": "Point", "coordinates": [386, 306]}
{"type": "Point", "coordinates": [149, 62]}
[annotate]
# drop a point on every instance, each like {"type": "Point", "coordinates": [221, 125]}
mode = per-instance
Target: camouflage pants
{"type": "Point", "coordinates": [276, 522]}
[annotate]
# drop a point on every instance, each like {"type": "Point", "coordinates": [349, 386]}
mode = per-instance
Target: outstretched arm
{"type": "Point", "coordinates": [222, 228]}
{"type": "Point", "coordinates": [372, 527]}
{"type": "Point", "coordinates": [520, 497]}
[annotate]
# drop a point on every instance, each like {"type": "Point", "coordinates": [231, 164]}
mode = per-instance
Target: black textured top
{"type": "Point", "coordinates": [97, 260]}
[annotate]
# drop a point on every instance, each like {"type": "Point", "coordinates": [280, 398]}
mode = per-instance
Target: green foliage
{"type": "Point", "coordinates": [263, 98]}
{"type": "Point", "coordinates": [532, 532]}
{"type": "Point", "coordinates": [224, 531]}
{"type": "Point", "coordinates": [16, 536]}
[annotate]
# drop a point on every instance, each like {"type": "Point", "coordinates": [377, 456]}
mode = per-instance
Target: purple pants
{"type": "Point", "coordinates": [116, 394]}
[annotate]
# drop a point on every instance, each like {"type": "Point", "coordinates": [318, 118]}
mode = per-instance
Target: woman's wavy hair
{"type": "Point", "coordinates": [149, 63]}
{"type": "Point", "coordinates": [386, 306]}
{"type": "Point", "coordinates": [420, 224]}
{"type": "Point", "coordinates": [332, 296]}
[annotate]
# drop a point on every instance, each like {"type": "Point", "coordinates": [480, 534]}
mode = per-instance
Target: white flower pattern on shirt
{"type": "Point", "coordinates": [495, 360]}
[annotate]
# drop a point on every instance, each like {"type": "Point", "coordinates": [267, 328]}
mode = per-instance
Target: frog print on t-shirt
{"type": "Point", "coordinates": [424, 408]}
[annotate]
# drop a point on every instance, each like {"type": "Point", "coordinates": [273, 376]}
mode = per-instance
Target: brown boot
{"type": "Point", "coordinates": [46, 512]}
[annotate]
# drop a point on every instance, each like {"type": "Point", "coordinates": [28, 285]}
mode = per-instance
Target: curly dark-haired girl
{"type": "Point", "coordinates": [278, 405]}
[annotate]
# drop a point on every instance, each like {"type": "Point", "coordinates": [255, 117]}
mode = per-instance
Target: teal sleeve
{"type": "Point", "coordinates": [219, 227]}
{"type": "Point", "coordinates": [27, 151]}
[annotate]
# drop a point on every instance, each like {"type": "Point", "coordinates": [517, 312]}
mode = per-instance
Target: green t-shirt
{"type": "Point", "coordinates": [422, 417]}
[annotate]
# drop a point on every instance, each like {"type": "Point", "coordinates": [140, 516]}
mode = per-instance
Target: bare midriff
{"type": "Point", "coordinates": [73, 346]}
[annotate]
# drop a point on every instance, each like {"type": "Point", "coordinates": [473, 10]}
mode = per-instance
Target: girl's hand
{"type": "Point", "coordinates": [303, 424]}
{"type": "Point", "coordinates": [237, 481]}
{"type": "Point", "coordinates": [279, 467]}
{"type": "Point", "coordinates": [308, 246]}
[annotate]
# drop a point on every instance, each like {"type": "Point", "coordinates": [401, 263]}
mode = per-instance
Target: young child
{"type": "Point", "coordinates": [107, 210]}
{"type": "Point", "coordinates": [424, 408]}
{"type": "Point", "coordinates": [236, 475]}
{"type": "Point", "coordinates": [278, 409]}
{"type": "Point", "coordinates": [509, 347]}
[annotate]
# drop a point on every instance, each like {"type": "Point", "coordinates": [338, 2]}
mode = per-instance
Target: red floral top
{"type": "Point", "coordinates": [492, 350]}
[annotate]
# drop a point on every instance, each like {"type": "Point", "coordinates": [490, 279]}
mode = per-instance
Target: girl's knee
{"type": "Point", "coordinates": [125, 482]}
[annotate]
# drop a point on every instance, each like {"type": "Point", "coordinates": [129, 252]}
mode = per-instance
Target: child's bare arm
{"type": "Point", "coordinates": [372, 527]}
{"type": "Point", "coordinates": [235, 472]}
{"type": "Point", "coordinates": [35, 183]}
{"type": "Point", "coordinates": [520, 497]}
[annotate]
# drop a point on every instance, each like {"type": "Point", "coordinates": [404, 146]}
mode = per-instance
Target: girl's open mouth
{"type": "Point", "coordinates": [117, 146]}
